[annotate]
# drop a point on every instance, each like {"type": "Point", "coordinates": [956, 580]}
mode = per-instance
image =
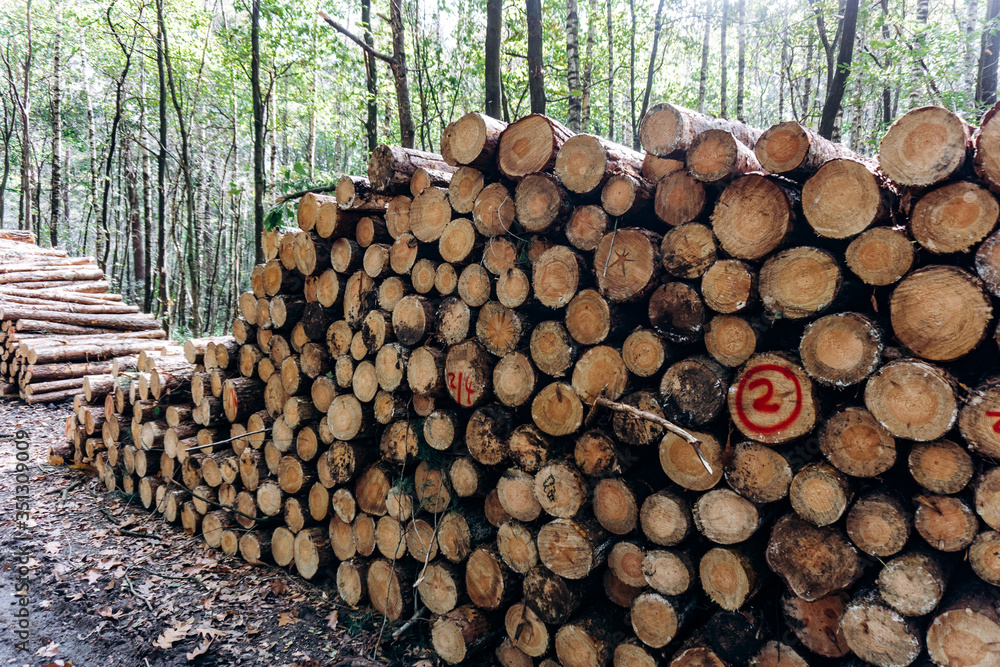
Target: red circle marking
{"type": "Point", "coordinates": [741, 413]}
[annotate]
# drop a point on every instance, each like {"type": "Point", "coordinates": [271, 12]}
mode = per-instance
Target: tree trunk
{"type": "Point", "coordinates": [112, 141]}
{"type": "Point", "coordinates": [24, 105]}
{"type": "Point", "coordinates": [573, 64]}
{"type": "Point", "coordinates": [371, 78]}
{"type": "Point", "coordinates": [989, 55]}
{"type": "Point", "coordinates": [835, 94]}
{"type": "Point", "coordinates": [722, 60]}
{"type": "Point", "coordinates": [741, 66]}
{"type": "Point", "coordinates": [634, 122]}
{"type": "Point", "coordinates": [258, 132]}
{"type": "Point", "coordinates": [588, 67]}
{"type": "Point", "coordinates": [705, 44]}
{"type": "Point", "coordinates": [536, 72]}
{"type": "Point", "coordinates": [135, 221]}
{"type": "Point", "coordinates": [494, 22]}
{"type": "Point", "coordinates": [657, 27]}
{"type": "Point", "coordinates": [399, 71]}
{"type": "Point", "coordinates": [918, 76]}
{"type": "Point", "coordinates": [611, 75]}
{"type": "Point", "coordinates": [56, 182]}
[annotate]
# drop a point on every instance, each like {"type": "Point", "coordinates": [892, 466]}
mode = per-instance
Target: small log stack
{"type": "Point", "coordinates": [729, 401]}
{"type": "Point", "coordinates": [59, 322]}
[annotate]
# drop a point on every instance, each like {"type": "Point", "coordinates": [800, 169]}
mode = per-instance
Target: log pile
{"type": "Point", "coordinates": [725, 402]}
{"type": "Point", "coordinates": [59, 322]}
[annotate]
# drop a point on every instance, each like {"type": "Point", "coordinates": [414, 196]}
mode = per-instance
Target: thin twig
{"type": "Point", "coordinates": [128, 582]}
{"type": "Point", "coordinates": [222, 442]}
{"type": "Point", "coordinates": [417, 615]}
{"type": "Point", "coordinates": [135, 533]}
{"type": "Point", "coordinates": [615, 406]}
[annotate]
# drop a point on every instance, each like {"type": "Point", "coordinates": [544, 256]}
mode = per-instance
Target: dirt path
{"type": "Point", "coordinates": [99, 596]}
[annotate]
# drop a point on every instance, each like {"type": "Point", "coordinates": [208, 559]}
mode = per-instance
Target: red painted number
{"type": "Point", "coordinates": [457, 383]}
{"type": "Point", "coordinates": [764, 403]}
{"type": "Point", "coordinates": [996, 424]}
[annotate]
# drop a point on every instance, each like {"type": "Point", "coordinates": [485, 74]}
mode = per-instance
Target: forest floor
{"type": "Point", "coordinates": [100, 595]}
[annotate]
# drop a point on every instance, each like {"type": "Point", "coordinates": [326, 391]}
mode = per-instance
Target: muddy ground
{"type": "Point", "coordinates": [99, 594]}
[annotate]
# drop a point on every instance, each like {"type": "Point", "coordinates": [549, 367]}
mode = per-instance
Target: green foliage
{"type": "Point", "coordinates": [313, 84]}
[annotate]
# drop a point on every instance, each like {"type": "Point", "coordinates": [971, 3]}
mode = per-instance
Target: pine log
{"type": "Point", "coordinates": [693, 390]}
{"type": "Point", "coordinates": [966, 628]}
{"type": "Point", "coordinates": [813, 562]}
{"type": "Point", "coordinates": [517, 547]}
{"type": "Point", "coordinates": [753, 217]}
{"type": "Point", "coordinates": [461, 633]}
{"type": "Point", "coordinates": [817, 623]}
{"type": "Point", "coordinates": [530, 145]}
{"type": "Point", "coordinates": [725, 517]}
{"type": "Point", "coordinates": [880, 256]}
{"type": "Point", "coordinates": [758, 473]}
{"type": "Point", "coordinates": [668, 130]}
{"type": "Point", "coordinates": [731, 339]}
{"type": "Point", "coordinates": [625, 263]}
{"type": "Point", "coordinates": [489, 583]}
{"type": "Point", "coordinates": [924, 147]}
{"type": "Point", "coordinates": [677, 311]}
{"type": "Point", "coordinates": [819, 494]}
{"type": "Point", "coordinates": [912, 399]}
{"type": "Point", "coordinates": [877, 634]}
{"type": "Point", "coordinates": [947, 523]}
{"type": "Point", "coordinates": [665, 518]}
{"type": "Point", "coordinates": [940, 312]}
{"type": "Point", "coordinates": [879, 524]}
{"type": "Point", "coordinates": [799, 282]}
{"type": "Point", "coordinates": [526, 630]}
{"type": "Point", "coordinates": [913, 583]}
{"type": "Point", "coordinates": [942, 467]}
{"type": "Point", "coordinates": [730, 576]}
{"type": "Point", "coordinates": [772, 400]}
{"type": "Point", "coordinates": [494, 210]}
{"type": "Point", "coordinates": [474, 138]}
{"type": "Point", "coordinates": [855, 443]}
{"type": "Point", "coordinates": [541, 203]}
{"type": "Point", "coordinates": [390, 167]}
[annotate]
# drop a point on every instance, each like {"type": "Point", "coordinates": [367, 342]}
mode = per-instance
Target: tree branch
{"type": "Point", "coordinates": [347, 33]}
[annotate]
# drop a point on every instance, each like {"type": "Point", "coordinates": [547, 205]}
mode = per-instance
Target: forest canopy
{"type": "Point", "coordinates": [128, 127]}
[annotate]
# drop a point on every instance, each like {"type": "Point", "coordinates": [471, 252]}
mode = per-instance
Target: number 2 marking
{"type": "Point", "coordinates": [996, 424]}
{"type": "Point", "coordinates": [764, 402]}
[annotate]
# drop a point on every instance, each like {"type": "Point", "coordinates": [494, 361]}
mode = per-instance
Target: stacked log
{"type": "Point", "coordinates": [59, 322]}
{"type": "Point", "coordinates": [700, 405]}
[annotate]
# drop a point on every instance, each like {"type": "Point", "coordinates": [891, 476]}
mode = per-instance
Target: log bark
{"type": "Point", "coordinates": [716, 155]}
{"type": "Point", "coordinates": [668, 130]}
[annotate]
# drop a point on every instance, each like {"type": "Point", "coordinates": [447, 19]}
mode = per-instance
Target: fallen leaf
{"type": "Point", "coordinates": [199, 650]}
{"type": "Point", "coordinates": [52, 547]}
{"type": "Point", "coordinates": [92, 575]}
{"type": "Point", "coordinates": [107, 612]}
{"type": "Point", "coordinates": [209, 632]}
{"type": "Point", "coordinates": [49, 651]}
{"type": "Point", "coordinates": [172, 635]}
{"type": "Point", "coordinates": [45, 604]}
{"type": "Point", "coordinates": [287, 618]}
{"type": "Point", "coordinates": [331, 620]}
{"type": "Point", "coordinates": [278, 587]}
